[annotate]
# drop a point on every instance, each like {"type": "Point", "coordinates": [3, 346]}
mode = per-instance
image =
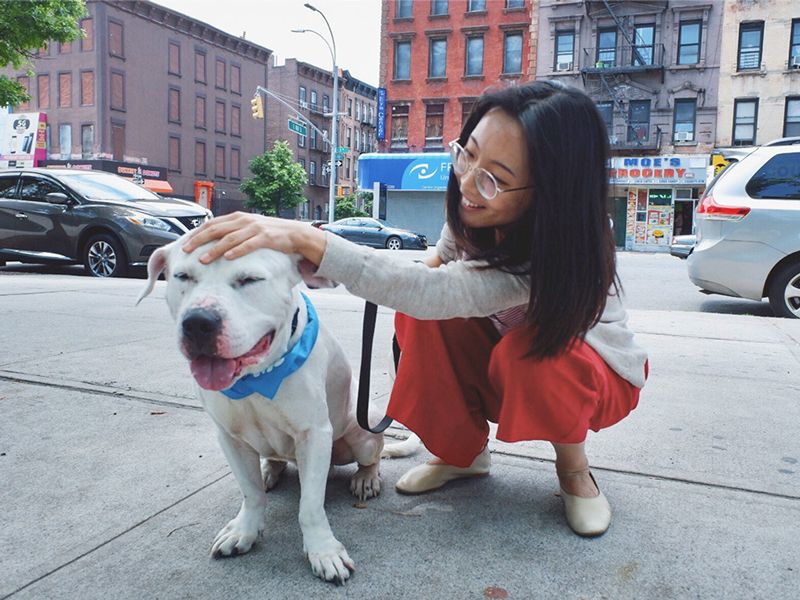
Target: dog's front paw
{"type": "Point", "coordinates": [366, 483]}
{"type": "Point", "coordinates": [237, 537]}
{"type": "Point", "coordinates": [329, 561]}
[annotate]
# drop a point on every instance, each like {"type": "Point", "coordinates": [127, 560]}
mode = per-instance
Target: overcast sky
{"type": "Point", "coordinates": [356, 27]}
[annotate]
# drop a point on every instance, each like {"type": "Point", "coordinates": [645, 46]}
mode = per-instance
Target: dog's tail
{"type": "Point", "coordinates": [401, 449]}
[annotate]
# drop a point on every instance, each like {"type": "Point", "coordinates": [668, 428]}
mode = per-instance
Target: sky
{"type": "Point", "coordinates": [356, 26]}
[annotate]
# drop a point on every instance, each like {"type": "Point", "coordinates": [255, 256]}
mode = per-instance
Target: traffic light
{"type": "Point", "coordinates": [257, 104]}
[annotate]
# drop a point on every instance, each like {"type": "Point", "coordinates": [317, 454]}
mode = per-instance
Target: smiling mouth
{"type": "Point", "coordinates": [219, 373]}
{"type": "Point", "coordinates": [467, 204]}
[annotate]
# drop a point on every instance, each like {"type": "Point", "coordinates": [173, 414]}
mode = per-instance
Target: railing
{"type": "Point", "coordinates": [653, 143]}
{"type": "Point", "coordinates": [622, 59]}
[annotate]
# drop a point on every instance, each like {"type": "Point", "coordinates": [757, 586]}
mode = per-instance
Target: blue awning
{"type": "Point", "coordinates": [419, 171]}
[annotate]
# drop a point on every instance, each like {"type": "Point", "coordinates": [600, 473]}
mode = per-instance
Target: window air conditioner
{"type": "Point", "coordinates": [303, 104]}
{"type": "Point", "coordinates": [794, 63]}
{"type": "Point", "coordinates": [564, 66]}
{"type": "Point", "coordinates": [683, 136]}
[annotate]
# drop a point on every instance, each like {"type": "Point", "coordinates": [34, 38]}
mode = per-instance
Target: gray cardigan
{"type": "Point", "coordinates": [458, 289]}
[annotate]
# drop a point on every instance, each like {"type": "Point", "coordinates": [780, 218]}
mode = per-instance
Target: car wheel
{"type": "Point", "coordinates": [103, 256]}
{"type": "Point", "coordinates": [784, 291]}
{"type": "Point", "coordinates": [394, 243]}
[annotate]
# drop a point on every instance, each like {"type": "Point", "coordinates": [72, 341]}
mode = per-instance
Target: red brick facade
{"type": "Point", "coordinates": [423, 95]}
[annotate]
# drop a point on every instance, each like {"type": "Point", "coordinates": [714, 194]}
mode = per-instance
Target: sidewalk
{"type": "Point", "coordinates": [114, 485]}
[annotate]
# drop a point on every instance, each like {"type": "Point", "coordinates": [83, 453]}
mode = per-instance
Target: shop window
{"type": "Point", "coordinates": [689, 42]}
{"type": "Point", "coordinates": [474, 56]}
{"type": "Point", "coordinates": [750, 40]}
{"type": "Point", "coordinates": [512, 53]}
{"type": "Point", "coordinates": [684, 120]}
{"type": "Point", "coordinates": [402, 60]}
{"type": "Point", "coordinates": [639, 121]}
{"type": "Point", "coordinates": [437, 63]}
{"type": "Point", "coordinates": [745, 117]}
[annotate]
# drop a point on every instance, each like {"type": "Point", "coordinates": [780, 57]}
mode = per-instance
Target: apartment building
{"type": "Point", "coordinates": [759, 72]}
{"type": "Point", "coordinates": [150, 86]}
{"type": "Point", "coordinates": [308, 90]}
{"type": "Point", "coordinates": [438, 56]}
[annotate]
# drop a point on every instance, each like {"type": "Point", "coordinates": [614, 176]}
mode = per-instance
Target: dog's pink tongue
{"type": "Point", "coordinates": [214, 373]}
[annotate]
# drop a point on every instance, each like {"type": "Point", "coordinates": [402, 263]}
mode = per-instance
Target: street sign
{"type": "Point", "coordinates": [339, 156]}
{"type": "Point", "coordinates": [298, 128]}
{"type": "Point", "coordinates": [342, 149]}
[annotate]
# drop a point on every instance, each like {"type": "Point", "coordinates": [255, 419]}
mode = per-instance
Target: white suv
{"type": "Point", "coordinates": [748, 229]}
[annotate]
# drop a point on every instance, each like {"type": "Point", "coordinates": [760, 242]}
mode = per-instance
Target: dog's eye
{"type": "Point", "coordinates": [243, 281]}
{"type": "Point", "coordinates": [181, 276]}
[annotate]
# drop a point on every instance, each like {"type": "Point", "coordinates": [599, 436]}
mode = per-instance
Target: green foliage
{"type": "Point", "coordinates": [277, 181]}
{"type": "Point", "coordinates": [25, 27]}
{"type": "Point", "coordinates": [346, 206]}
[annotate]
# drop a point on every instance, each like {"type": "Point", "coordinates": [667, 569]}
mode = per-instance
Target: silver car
{"type": "Point", "coordinates": [748, 229]}
{"type": "Point", "coordinates": [101, 220]}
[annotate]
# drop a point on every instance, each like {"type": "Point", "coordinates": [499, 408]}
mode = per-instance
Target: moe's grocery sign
{"type": "Point", "coordinates": [690, 170]}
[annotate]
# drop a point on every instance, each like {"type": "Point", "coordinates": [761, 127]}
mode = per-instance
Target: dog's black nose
{"type": "Point", "coordinates": [200, 328]}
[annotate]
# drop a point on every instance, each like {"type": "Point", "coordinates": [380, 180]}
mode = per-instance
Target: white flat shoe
{"type": "Point", "coordinates": [427, 477]}
{"type": "Point", "coordinates": [588, 517]}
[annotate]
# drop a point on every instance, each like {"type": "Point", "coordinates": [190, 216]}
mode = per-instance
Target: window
{"type": "Point", "coordinates": [174, 113]}
{"type": "Point", "coordinates": [606, 110]}
{"type": "Point", "coordinates": [794, 46]}
{"type": "Point", "coordinates": [466, 110]}
{"type": "Point", "coordinates": [643, 44]}
{"type": "Point", "coordinates": [236, 120]}
{"type": "Point", "coordinates": [745, 115]}
{"type": "Point", "coordinates": [403, 9]}
{"type": "Point", "coordinates": [117, 90]}
{"type": "Point", "coordinates": [219, 76]}
{"type": "Point", "coordinates": [511, 4]}
{"type": "Point", "coordinates": [87, 43]}
{"type": "Point", "coordinates": [347, 168]}
{"type": "Point", "coordinates": [349, 137]}
{"type": "Point", "coordinates": [349, 107]}
{"type": "Point", "coordinates": [438, 7]}
{"type": "Point", "coordinates": [87, 141]}
{"type": "Point", "coordinates": [35, 189]}
{"type": "Point", "coordinates": [684, 120]}
{"type": "Point", "coordinates": [512, 53]}
{"type": "Point", "coordinates": [358, 140]}
{"type": "Point", "coordinates": [219, 162]}
{"type": "Point", "coordinates": [200, 112]}
{"type": "Point", "coordinates": [174, 58]}
{"type": "Point", "coordinates": [791, 119]}
{"type": "Point", "coordinates": [750, 37]}
{"type": "Point", "coordinates": [565, 50]}
{"type": "Point", "coordinates": [301, 141]}
{"type": "Point", "coordinates": [437, 63]}
{"type": "Point", "coordinates": [326, 101]}
{"type": "Point", "coordinates": [43, 89]}
{"type": "Point", "coordinates": [117, 141]}
{"type": "Point", "coordinates": [65, 90]}
{"type": "Point", "coordinates": [25, 82]}
{"type": "Point", "coordinates": [65, 47]}
{"type": "Point", "coordinates": [313, 99]}
{"type": "Point", "coordinates": [199, 66]}
{"type": "Point", "coordinates": [606, 48]}
{"type": "Point", "coordinates": [639, 121]}
{"type": "Point", "coordinates": [474, 56]}
{"type": "Point", "coordinates": [402, 60]}
{"type": "Point", "coordinates": [236, 163]}
{"type": "Point", "coordinates": [476, 6]}
{"type": "Point", "coordinates": [689, 43]}
{"type": "Point", "coordinates": [434, 124]}
{"type": "Point", "coordinates": [778, 178]}
{"type": "Point", "coordinates": [87, 88]}
{"type": "Point", "coordinates": [301, 97]}
{"type": "Point", "coordinates": [400, 125]}
{"type": "Point", "coordinates": [65, 140]}
{"type": "Point", "coordinates": [312, 141]}
{"type": "Point", "coordinates": [115, 39]}
{"type": "Point", "coordinates": [219, 116]}
{"type": "Point", "coordinates": [199, 158]}
{"type": "Point", "coordinates": [236, 79]}
{"type": "Point", "coordinates": [174, 153]}
{"type": "Point", "coordinates": [312, 172]}
{"type": "Point", "coordinates": [8, 185]}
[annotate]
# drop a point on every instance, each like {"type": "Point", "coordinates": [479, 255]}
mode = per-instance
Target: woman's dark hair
{"type": "Point", "coordinates": [564, 240]}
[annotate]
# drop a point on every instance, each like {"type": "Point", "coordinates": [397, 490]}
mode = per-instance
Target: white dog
{"type": "Point", "coordinates": [241, 323]}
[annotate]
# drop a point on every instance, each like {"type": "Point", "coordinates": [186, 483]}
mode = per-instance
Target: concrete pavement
{"type": "Point", "coordinates": [114, 486]}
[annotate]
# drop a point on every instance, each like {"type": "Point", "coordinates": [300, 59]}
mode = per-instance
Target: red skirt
{"type": "Point", "coordinates": [456, 375]}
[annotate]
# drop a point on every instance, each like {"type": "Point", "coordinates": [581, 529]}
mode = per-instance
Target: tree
{"type": "Point", "coordinates": [346, 206]}
{"type": "Point", "coordinates": [25, 27]}
{"type": "Point", "coordinates": [277, 181]}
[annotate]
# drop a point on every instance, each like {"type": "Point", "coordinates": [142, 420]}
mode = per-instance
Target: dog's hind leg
{"type": "Point", "coordinates": [272, 471]}
{"type": "Point", "coordinates": [238, 536]}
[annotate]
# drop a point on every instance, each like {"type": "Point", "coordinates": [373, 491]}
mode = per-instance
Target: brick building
{"type": "Point", "coordinates": [151, 86]}
{"type": "Point", "coordinates": [438, 56]}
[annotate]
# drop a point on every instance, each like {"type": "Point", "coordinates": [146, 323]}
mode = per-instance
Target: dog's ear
{"type": "Point", "coordinates": [155, 266]}
{"type": "Point", "coordinates": [307, 271]}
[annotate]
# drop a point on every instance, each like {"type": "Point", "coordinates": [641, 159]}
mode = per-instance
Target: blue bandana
{"type": "Point", "coordinates": [268, 382]}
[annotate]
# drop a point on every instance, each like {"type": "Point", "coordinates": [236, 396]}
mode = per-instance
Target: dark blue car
{"type": "Point", "coordinates": [375, 233]}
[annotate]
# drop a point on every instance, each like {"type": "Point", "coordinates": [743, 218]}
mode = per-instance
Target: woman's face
{"type": "Point", "coordinates": [497, 144]}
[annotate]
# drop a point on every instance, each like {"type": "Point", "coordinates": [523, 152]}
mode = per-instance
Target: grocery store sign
{"type": "Point", "coordinates": [658, 170]}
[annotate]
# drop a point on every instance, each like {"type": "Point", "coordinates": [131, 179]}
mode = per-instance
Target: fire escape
{"type": "Point", "coordinates": [609, 69]}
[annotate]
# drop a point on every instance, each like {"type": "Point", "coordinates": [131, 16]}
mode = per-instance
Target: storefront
{"type": "Point", "coordinates": [152, 178]}
{"type": "Point", "coordinates": [653, 198]}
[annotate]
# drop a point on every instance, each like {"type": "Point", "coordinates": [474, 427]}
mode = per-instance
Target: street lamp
{"type": "Point", "coordinates": [334, 112]}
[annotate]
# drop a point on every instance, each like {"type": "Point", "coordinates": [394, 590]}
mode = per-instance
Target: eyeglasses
{"type": "Point", "coordinates": [484, 181]}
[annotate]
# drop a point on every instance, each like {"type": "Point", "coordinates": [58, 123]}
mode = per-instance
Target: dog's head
{"type": "Point", "coordinates": [233, 317]}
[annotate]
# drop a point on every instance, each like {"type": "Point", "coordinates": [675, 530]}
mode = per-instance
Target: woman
{"type": "Point", "coordinates": [516, 320]}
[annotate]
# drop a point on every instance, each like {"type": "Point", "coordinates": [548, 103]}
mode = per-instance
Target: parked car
{"type": "Point", "coordinates": [376, 233]}
{"type": "Point", "coordinates": [101, 220]}
{"type": "Point", "coordinates": [748, 229]}
{"type": "Point", "coordinates": [682, 245]}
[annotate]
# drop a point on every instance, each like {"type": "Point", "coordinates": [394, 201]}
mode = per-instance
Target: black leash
{"type": "Point", "coordinates": [367, 334]}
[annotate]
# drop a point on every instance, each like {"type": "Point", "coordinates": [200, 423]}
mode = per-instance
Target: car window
{"type": "Point", "coordinates": [778, 179]}
{"type": "Point", "coordinates": [36, 188]}
{"type": "Point", "coordinates": [370, 223]}
{"type": "Point", "coordinates": [104, 186]}
{"type": "Point", "coordinates": [8, 184]}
